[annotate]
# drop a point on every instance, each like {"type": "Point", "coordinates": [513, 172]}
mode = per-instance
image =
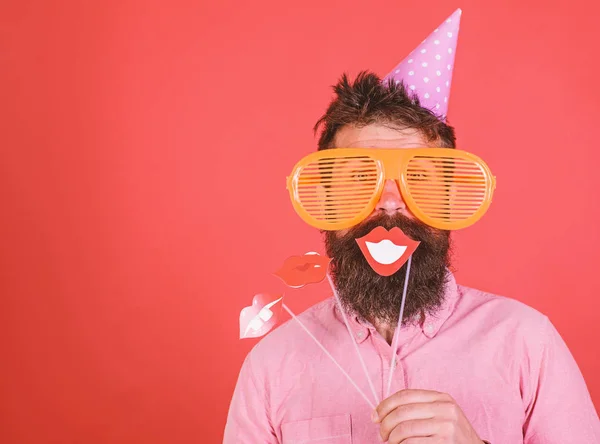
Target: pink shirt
{"type": "Point", "coordinates": [502, 361]}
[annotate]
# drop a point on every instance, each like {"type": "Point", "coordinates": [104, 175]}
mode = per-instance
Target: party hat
{"type": "Point", "coordinates": [427, 70]}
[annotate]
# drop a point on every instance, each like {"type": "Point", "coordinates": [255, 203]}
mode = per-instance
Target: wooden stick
{"type": "Point", "coordinates": [330, 356]}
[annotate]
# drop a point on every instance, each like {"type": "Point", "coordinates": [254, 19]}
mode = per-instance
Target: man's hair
{"type": "Point", "coordinates": [368, 101]}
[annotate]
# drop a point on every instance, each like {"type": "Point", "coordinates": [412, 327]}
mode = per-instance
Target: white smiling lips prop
{"type": "Point", "coordinates": [386, 251]}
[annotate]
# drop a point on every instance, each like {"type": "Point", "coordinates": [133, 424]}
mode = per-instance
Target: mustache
{"type": "Point", "coordinates": [413, 228]}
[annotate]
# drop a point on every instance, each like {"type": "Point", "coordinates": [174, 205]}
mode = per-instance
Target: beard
{"type": "Point", "coordinates": [378, 298]}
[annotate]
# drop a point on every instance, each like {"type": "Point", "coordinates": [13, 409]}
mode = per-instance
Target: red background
{"type": "Point", "coordinates": [145, 147]}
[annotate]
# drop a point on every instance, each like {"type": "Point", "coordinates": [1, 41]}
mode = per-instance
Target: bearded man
{"type": "Point", "coordinates": [472, 367]}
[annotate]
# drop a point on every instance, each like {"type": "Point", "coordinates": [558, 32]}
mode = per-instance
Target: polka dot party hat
{"type": "Point", "coordinates": [428, 68]}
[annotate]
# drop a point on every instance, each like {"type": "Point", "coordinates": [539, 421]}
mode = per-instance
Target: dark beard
{"type": "Point", "coordinates": [374, 297]}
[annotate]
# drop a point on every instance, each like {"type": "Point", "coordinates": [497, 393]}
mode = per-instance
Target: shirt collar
{"type": "Point", "coordinates": [430, 323]}
{"type": "Point", "coordinates": [360, 329]}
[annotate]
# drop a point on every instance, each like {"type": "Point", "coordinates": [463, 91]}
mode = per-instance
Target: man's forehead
{"type": "Point", "coordinates": [378, 136]}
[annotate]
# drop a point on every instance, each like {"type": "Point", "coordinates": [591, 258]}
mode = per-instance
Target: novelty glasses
{"type": "Point", "coordinates": [338, 188]}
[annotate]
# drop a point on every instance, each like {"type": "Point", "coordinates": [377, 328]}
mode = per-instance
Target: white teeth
{"type": "Point", "coordinates": [385, 252]}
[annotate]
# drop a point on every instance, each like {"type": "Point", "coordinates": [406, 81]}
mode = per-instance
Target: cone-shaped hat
{"type": "Point", "coordinates": [428, 68]}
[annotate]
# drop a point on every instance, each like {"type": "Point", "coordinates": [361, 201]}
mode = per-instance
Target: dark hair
{"type": "Point", "coordinates": [368, 101]}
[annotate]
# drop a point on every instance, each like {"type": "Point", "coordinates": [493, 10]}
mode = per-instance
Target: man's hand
{"type": "Point", "coordinates": [423, 417]}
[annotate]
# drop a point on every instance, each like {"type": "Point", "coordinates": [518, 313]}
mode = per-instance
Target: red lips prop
{"type": "Point", "coordinates": [298, 271]}
{"type": "Point", "coordinates": [386, 251]}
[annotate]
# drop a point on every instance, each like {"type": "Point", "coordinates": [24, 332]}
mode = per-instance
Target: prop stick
{"type": "Point", "coordinates": [397, 331]}
{"type": "Point", "coordinates": [329, 355]}
{"type": "Point", "coordinates": [362, 361]}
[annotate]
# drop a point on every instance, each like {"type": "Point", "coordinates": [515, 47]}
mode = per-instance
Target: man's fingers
{"type": "Point", "coordinates": [408, 396]}
{"type": "Point", "coordinates": [405, 412]}
{"type": "Point", "coordinates": [415, 428]}
{"type": "Point", "coordinates": [418, 440]}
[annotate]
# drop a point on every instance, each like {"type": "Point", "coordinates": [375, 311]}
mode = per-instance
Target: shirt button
{"type": "Point", "coordinates": [360, 335]}
{"type": "Point", "coordinates": [429, 328]}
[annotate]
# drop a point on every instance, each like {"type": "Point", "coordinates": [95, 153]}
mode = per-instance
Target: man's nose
{"type": "Point", "coordinates": [391, 200]}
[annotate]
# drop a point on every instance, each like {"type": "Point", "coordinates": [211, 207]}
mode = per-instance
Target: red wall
{"type": "Point", "coordinates": [144, 152]}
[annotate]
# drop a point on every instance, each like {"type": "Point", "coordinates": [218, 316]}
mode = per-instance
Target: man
{"type": "Point", "coordinates": [471, 367]}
